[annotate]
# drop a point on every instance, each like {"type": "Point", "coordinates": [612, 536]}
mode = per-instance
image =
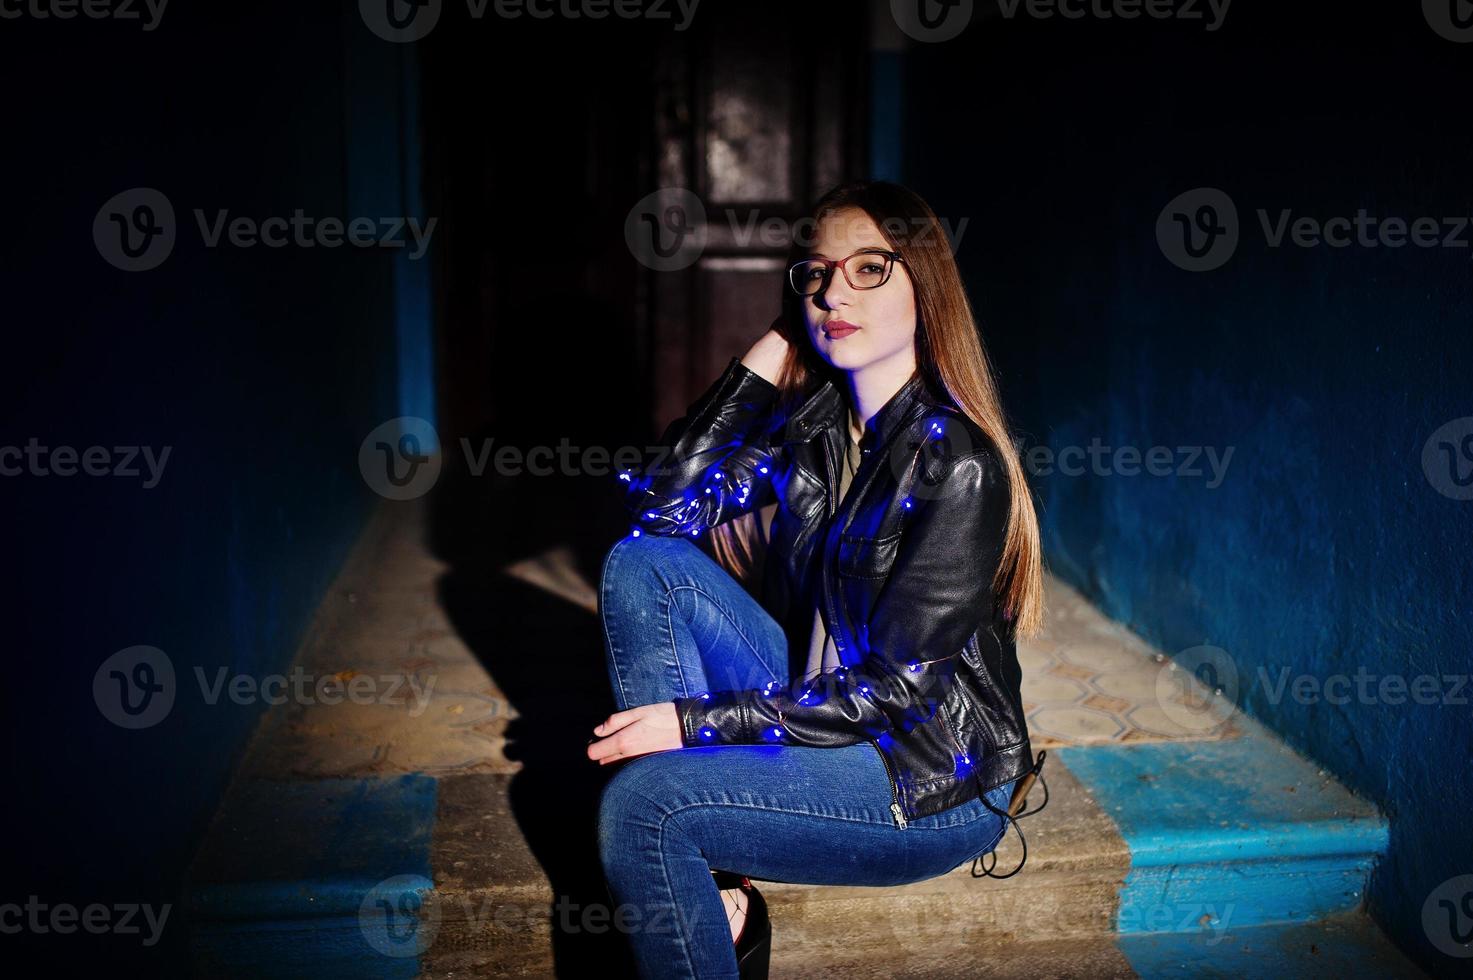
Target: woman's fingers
{"type": "Point", "coordinates": [602, 749]}
{"type": "Point", "coordinates": [617, 748]}
{"type": "Point", "coordinates": [616, 721]}
{"type": "Point", "coordinates": [623, 739]}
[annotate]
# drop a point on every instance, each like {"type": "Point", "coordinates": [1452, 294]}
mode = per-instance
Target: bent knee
{"type": "Point", "coordinates": [628, 804]}
{"type": "Point", "coordinates": [648, 552]}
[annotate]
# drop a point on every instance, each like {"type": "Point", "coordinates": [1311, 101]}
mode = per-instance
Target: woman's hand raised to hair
{"type": "Point", "coordinates": [765, 358]}
{"type": "Point", "coordinates": [638, 731]}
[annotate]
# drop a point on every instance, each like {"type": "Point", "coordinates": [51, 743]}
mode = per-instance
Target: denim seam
{"type": "Point", "coordinates": [670, 890]}
{"type": "Point", "coordinates": [727, 616]}
{"type": "Point", "coordinates": [670, 635]}
{"type": "Point", "coordinates": [885, 821]}
{"type": "Point", "coordinates": [604, 579]}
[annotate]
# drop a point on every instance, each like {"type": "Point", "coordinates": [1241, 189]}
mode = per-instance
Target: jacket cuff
{"type": "Point", "coordinates": [715, 718]}
{"type": "Point", "coordinates": [740, 385]}
{"type": "Point", "coordinates": [750, 377]}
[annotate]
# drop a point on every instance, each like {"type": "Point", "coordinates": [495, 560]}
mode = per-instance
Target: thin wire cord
{"type": "Point", "coordinates": [987, 869]}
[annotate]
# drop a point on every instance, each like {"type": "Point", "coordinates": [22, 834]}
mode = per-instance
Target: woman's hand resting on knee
{"type": "Point", "coordinates": [639, 731]}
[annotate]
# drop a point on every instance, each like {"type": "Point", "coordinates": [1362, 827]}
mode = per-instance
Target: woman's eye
{"type": "Point", "coordinates": [872, 267]}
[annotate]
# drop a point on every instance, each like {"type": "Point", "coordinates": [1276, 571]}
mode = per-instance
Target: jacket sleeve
{"type": "Point", "coordinates": [938, 592]}
{"type": "Point", "coordinates": [715, 463]}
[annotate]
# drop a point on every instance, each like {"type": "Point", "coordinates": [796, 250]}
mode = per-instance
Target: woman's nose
{"type": "Point", "coordinates": [835, 293]}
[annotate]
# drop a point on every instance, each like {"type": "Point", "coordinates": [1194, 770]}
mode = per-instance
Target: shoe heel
{"type": "Point", "coordinates": [754, 965]}
{"type": "Point", "coordinates": [754, 951]}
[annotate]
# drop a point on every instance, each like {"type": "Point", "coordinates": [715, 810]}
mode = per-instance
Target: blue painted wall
{"type": "Point", "coordinates": [260, 368]}
{"type": "Point", "coordinates": [1325, 549]}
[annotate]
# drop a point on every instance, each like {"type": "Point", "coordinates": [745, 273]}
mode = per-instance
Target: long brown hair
{"type": "Point", "coordinates": [949, 354]}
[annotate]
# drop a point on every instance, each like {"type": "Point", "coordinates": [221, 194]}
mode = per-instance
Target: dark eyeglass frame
{"type": "Point", "coordinates": [829, 264]}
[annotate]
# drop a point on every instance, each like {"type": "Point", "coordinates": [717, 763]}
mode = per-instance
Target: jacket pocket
{"type": "Point", "coordinates": [865, 557]}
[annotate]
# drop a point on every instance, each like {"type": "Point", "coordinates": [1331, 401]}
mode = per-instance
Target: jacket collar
{"type": "Point", "coordinates": [824, 409]}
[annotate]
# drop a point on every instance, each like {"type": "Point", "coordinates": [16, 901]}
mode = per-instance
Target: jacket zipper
{"type": "Point", "coordinates": [833, 486]}
{"type": "Point", "coordinates": [894, 796]}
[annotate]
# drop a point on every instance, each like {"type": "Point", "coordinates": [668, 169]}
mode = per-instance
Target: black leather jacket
{"type": "Point", "coordinates": [902, 572]}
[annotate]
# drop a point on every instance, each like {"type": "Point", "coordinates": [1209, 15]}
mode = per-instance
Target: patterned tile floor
{"type": "Point", "coordinates": [1087, 680]}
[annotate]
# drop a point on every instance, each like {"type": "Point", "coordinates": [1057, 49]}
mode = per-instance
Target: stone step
{"type": "Point", "coordinates": [496, 901]}
{"type": "Point", "coordinates": [455, 837]}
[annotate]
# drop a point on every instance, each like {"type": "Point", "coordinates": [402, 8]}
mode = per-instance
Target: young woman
{"type": "Point", "coordinates": [862, 724]}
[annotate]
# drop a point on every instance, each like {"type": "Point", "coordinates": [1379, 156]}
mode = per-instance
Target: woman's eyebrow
{"type": "Point", "coordinates": [862, 248]}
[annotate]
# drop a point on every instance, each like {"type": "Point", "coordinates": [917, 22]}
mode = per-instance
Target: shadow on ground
{"type": "Point", "coordinates": [546, 657]}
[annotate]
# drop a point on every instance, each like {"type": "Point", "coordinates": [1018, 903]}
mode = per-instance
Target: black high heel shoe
{"type": "Point", "coordinates": [754, 941]}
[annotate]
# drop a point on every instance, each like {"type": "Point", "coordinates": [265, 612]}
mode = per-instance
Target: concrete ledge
{"type": "Point", "coordinates": [1241, 832]}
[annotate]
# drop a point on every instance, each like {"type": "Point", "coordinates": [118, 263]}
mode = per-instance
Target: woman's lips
{"type": "Point", "coordinates": [835, 329]}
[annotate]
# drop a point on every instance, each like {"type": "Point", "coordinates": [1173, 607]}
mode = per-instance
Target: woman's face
{"type": "Point", "coordinates": [885, 316]}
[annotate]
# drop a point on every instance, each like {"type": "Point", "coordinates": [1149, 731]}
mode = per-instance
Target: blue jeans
{"type": "Point", "coordinates": [677, 624]}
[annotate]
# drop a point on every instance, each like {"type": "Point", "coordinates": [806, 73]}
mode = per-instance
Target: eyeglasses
{"type": "Point", "coordinates": [811, 276]}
